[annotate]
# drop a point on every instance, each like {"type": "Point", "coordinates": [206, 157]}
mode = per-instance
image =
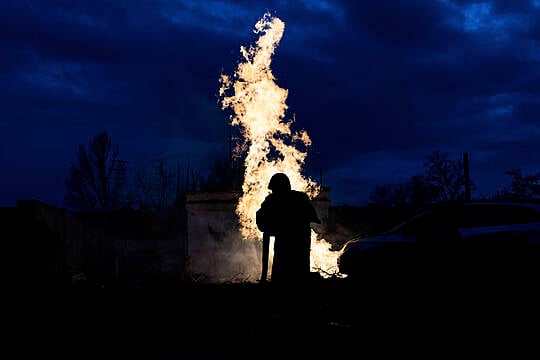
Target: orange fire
{"type": "Point", "coordinates": [259, 108]}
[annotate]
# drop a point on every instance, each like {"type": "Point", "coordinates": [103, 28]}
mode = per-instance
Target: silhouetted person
{"type": "Point", "coordinates": [287, 215]}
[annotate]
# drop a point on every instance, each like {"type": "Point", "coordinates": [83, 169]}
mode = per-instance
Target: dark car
{"type": "Point", "coordinates": [474, 241]}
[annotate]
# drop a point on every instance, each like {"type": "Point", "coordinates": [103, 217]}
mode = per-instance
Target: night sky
{"type": "Point", "coordinates": [377, 85]}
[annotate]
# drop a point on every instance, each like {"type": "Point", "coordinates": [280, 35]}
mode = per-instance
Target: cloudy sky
{"type": "Point", "coordinates": [377, 84]}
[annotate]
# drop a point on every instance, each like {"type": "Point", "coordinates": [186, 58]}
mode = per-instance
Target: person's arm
{"type": "Point", "coordinates": [265, 252]}
{"type": "Point", "coordinates": [260, 218]}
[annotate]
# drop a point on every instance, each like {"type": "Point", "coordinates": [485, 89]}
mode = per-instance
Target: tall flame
{"type": "Point", "coordinates": [259, 109]}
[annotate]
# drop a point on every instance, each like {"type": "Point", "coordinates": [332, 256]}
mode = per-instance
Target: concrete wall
{"type": "Point", "coordinates": [213, 236]}
{"type": "Point", "coordinates": [42, 241]}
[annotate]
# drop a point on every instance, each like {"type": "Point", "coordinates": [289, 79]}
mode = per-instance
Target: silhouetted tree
{"type": "Point", "coordinates": [445, 177]}
{"type": "Point", "coordinates": [522, 187]}
{"type": "Point", "coordinates": [154, 189]}
{"type": "Point", "coordinates": [94, 181]}
{"type": "Point", "coordinates": [161, 188]}
{"type": "Point", "coordinates": [392, 196]}
{"type": "Point", "coordinates": [224, 175]}
{"type": "Point", "coordinates": [421, 193]}
{"type": "Point", "coordinates": [187, 179]}
{"type": "Point", "coordinates": [443, 180]}
{"type": "Point", "coordinates": [413, 194]}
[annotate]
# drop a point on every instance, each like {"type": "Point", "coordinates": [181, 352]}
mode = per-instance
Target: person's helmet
{"type": "Point", "coordinates": [279, 182]}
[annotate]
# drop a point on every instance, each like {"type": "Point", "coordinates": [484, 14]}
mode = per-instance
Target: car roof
{"type": "Point", "coordinates": [529, 203]}
{"type": "Point", "coordinates": [535, 205]}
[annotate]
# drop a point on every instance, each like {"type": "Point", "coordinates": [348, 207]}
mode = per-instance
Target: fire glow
{"type": "Point", "coordinates": [259, 107]}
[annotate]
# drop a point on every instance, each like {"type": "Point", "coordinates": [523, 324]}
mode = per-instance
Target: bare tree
{"type": "Point", "coordinates": [96, 179]}
{"type": "Point", "coordinates": [391, 196]}
{"type": "Point", "coordinates": [522, 187]}
{"type": "Point", "coordinates": [421, 193]}
{"type": "Point", "coordinates": [154, 188]}
{"type": "Point", "coordinates": [443, 180]}
{"type": "Point", "coordinates": [224, 175]}
{"type": "Point", "coordinates": [412, 194]}
{"type": "Point", "coordinates": [160, 188]}
{"type": "Point", "coordinates": [445, 177]}
{"type": "Point", "coordinates": [187, 179]}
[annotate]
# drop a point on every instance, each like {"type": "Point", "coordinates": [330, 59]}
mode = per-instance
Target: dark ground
{"type": "Point", "coordinates": [330, 318]}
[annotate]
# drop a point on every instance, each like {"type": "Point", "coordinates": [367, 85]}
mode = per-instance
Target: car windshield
{"type": "Point", "coordinates": [432, 220]}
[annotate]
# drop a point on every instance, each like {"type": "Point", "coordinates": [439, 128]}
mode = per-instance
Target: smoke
{"type": "Point", "coordinates": [229, 260]}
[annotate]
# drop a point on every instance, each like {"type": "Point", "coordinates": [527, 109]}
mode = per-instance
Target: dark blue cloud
{"type": "Point", "coordinates": [378, 85]}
